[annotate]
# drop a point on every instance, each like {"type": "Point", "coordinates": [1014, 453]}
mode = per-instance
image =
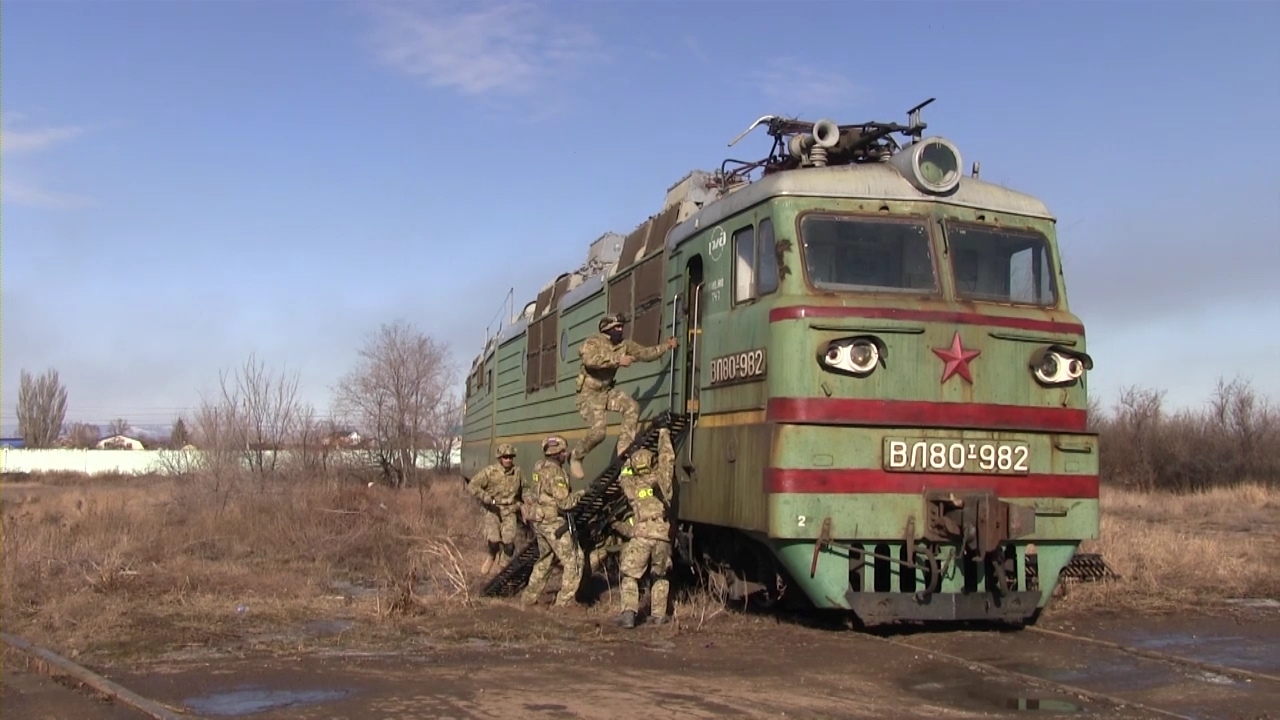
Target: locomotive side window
{"type": "Point", "coordinates": [767, 279]}
{"type": "Point", "coordinates": [1001, 265]}
{"type": "Point", "coordinates": [853, 254]}
{"type": "Point", "coordinates": [755, 267]}
{"type": "Point", "coordinates": [744, 280]}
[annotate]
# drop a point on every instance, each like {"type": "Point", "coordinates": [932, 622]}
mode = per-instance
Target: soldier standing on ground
{"type": "Point", "coordinates": [497, 487]}
{"type": "Point", "coordinates": [649, 491]}
{"type": "Point", "coordinates": [602, 354]}
{"type": "Point", "coordinates": [550, 496]}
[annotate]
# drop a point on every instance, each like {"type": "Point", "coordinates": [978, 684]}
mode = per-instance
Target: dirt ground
{"type": "Point", "coordinates": [500, 660]}
{"type": "Point", "coordinates": [340, 650]}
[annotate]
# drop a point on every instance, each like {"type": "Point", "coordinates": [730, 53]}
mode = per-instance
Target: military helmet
{"type": "Point", "coordinates": [554, 445]}
{"type": "Point", "coordinates": [609, 322]}
{"type": "Point", "coordinates": [641, 460]}
{"type": "Point", "coordinates": [505, 450]}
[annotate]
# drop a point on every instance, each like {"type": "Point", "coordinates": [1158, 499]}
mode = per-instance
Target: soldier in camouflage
{"type": "Point", "coordinates": [543, 508]}
{"type": "Point", "coordinates": [497, 487]}
{"type": "Point", "coordinates": [616, 540]}
{"type": "Point", "coordinates": [649, 491]}
{"type": "Point", "coordinates": [602, 354]}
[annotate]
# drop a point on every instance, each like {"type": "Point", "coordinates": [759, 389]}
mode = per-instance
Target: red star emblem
{"type": "Point", "coordinates": [957, 359]}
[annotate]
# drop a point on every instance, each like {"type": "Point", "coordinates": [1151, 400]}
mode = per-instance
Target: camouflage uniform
{"type": "Point", "coordinates": [649, 491]}
{"type": "Point", "coordinates": [602, 355]}
{"type": "Point", "coordinates": [498, 489]}
{"type": "Point", "coordinates": [550, 495]}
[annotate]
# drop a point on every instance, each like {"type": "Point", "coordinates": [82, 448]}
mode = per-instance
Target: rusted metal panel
{"type": "Point", "coordinates": [548, 359]}
{"type": "Point", "coordinates": [620, 298]}
{"type": "Point", "coordinates": [533, 353]}
{"type": "Point", "coordinates": [661, 225]}
{"type": "Point", "coordinates": [633, 246]}
{"type": "Point", "coordinates": [647, 305]}
{"type": "Point", "coordinates": [544, 301]}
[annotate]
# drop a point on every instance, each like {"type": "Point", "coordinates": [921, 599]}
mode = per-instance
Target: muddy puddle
{"type": "Point", "coordinates": [250, 699]}
{"type": "Point", "coordinates": [1112, 675]}
{"type": "Point", "coordinates": [956, 688]}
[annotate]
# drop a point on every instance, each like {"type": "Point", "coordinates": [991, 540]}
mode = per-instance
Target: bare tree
{"type": "Point", "coordinates": [399, 395]}
{"type": "Point", "coordinates": [119, 426]}
{"type": "Point", "coordinates": [251, 418]}
{"type": "Point", "coordinates": [42, 408]}
{"type": "Point", "coordinates": [310, 454]}
{"type": "Point", "coordinates": [83, 435]}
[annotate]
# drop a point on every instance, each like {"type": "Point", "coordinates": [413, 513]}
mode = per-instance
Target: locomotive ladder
{"type": "Point", "coordinates": [591, 519]}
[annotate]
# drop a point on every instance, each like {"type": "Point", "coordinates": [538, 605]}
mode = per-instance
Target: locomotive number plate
{"type": "Point", "coordinates": [957, 456]}
{"type": "Point", "coordinates": [739, 367]}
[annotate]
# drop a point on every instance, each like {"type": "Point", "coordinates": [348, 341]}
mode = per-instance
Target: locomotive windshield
{"type": "Point", "coordinates": [1001, 265]}
{"type": "Point", "coordinates": [845, 253]}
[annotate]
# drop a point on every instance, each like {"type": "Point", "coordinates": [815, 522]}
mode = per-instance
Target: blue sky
{"type": "Point", "coordinates": [186, 182]}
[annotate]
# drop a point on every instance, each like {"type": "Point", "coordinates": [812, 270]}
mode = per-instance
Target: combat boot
{"type": "Point", "coordinates": [627, 619]}
{"type": "Point", "coordinates": [659, 619]}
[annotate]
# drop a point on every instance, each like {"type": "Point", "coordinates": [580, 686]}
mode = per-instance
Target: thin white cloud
{"type": "Point", "coordinates": [795, 87]}
{"type": "Point", "coordinates": [481, 48]}
{"type": "Point", "coordinates": [19, 193]}
{"type": "Point", "coordinates": [26, 141]}
{"type": "Point", "coordinates": [21, 141]}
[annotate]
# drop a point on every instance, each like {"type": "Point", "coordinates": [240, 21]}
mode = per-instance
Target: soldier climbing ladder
{"type": "Point", "coordinates": [600, 506]}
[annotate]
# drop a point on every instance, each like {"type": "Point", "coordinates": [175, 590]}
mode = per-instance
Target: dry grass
{"type": "Point", "coordinates": [1176, 552]}
{"type": "Point", "coordinates": [152, 564]}
{"type": "Point", "coordinates": [122, 567]}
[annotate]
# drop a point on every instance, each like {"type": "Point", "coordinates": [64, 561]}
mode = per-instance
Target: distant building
{"type": "Point", "coordinates": [120, 442]}
{"type": "Point", "coordinates": [345, 439]}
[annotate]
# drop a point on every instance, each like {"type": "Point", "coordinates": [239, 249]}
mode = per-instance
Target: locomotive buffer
{"type": "Point", "coordinates": [591, 519]}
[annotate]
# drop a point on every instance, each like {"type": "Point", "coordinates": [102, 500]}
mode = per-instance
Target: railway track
{"type": "Point", "coordinates": [59, 665]}
{"type": "Point", "coordinates": [976, 656]}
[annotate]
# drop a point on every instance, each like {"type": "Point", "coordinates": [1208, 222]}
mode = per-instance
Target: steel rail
{"type": "Point", "coordinates": [95, 681]}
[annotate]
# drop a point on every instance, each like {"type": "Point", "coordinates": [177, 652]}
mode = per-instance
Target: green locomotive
{"type": "Point", "coordinates": [879, 386]}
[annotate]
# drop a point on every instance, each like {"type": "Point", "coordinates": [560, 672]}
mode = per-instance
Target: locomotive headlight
{"type": "Point", "coordinates": [1056, 365]}
{"type": "Point", "coordinates": [932, 165]}
{"type": "Point", "coordinates": [856, 356]}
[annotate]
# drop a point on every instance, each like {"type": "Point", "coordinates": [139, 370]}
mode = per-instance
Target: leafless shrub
{"type": "Point", "coordinates": [1235, 440]}
{"type": "Point", "coordinates": [119, 426]}
{"type": "Point", "coordinates": [42, 408]}
{"type": "Point", "coordinates": [448, 569]}
{"type": "Point", "coordinates": [399, 396]}
{"type": "Point", "coordinates": [83, 435]}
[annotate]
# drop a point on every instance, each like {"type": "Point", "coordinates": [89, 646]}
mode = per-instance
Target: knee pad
{"type": "Point", "coordinates": [510, 548]}
{"type": "Point", "coordinates": [494, 547]}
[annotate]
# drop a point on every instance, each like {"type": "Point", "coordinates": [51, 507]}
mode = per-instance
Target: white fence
{"type": "Point", "coordinates": [140, 462]}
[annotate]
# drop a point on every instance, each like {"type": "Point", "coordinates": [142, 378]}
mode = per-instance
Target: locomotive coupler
{"type": "Point", "coordinates": [978, 521]}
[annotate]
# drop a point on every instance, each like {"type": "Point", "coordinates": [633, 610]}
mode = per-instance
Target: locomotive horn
{"type": "Point", "coordinates": [812, 148]}
{"type": "Point", "coordinates": [826, 133]}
